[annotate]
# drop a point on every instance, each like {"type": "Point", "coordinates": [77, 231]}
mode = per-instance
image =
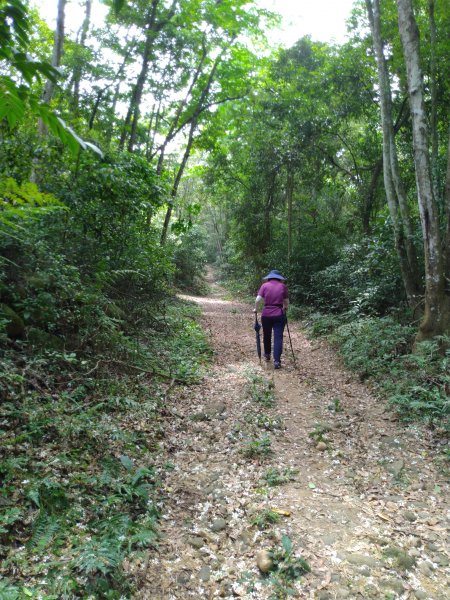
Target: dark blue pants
{"type": "Point", "coordinates": [277, 324]}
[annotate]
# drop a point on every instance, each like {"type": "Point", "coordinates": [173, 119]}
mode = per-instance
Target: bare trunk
{"type": "Point", "coordinates": [58, 46]}
{"type": "Point", "coordinates": [193, 126]}
{"type": "Point", "coordinates": [154, 26]}
{"type": "Point", "coordinates": [174, 190]}
{"type": "Point", "coordinates": [447, 206]}
{"type": "Point", "coordinates": [436, 319]}
{"type": "Point", "coordinates": [434, 100]}
{"type": "Point", "coordinates": [130, 125]}
{"type": "Point", "coordinates": [396, 198]}
{"type": "Point", "coordinates": [289, 193]}
{"type": "Point", "coordinates": [77, 72]}
{"type": "Point", "coordinates": [370, 197]}
{"type": "Point", "coordinates": [175, 124]}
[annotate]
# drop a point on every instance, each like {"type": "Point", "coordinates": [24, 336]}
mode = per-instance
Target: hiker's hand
{"type": "Point", "coordinates": [254, 310]}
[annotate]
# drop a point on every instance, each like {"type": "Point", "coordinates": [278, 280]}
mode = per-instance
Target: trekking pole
{"type": "Point", "coordinates": [290, 341]}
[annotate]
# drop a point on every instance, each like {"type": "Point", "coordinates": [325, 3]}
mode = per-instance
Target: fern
{"type": "Point", "coordinates": [19, 202]}
{"type": "Point", "coordinates": [99, 556]}
{"type": "Point", "coordinates": [9, 592]}
{"type": "Point", "coordinates": [45, 528]}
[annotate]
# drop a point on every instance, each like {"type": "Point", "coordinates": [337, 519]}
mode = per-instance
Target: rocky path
{"type": "Point", "coordinates": [306, 457]}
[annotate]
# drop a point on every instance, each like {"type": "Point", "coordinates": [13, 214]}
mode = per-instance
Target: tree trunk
{"type": "Point", "coordinates": [175, 126]}
{"type": "Point", "coordinates": [289, 194]}
{"type": "Point", "coordinates": [130, 124]}
{"type": "Point", "coordinates": [434, 101]}
{"type": "Point", "coordinates": [436, 319]}
{"type": "Point", "coordinates": [77, 72]}
{"type": "Point", "coordinates": [132, 118]}
{"type": "Point", "coordinates": [396, 198]}
{"type": "Point", "coordinates": [447, 206]}
{"type": "Point", "coordinates": [58, 46]}
{"type": "Point", "coordinates": [369, 197]}
{"type": "Point", "coordinates": [200, 106]}
{"type": "Point", "coordinates": [174, 190]}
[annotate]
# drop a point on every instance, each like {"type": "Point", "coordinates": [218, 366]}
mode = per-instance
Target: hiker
{"type": "Point", "coordinates": [275, 295]}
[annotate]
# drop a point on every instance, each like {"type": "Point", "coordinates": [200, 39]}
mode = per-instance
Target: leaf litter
{"type": "Point", "coordinates": [368, 512]}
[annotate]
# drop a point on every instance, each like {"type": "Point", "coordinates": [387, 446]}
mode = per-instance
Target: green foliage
{"type": "Point", "coordinates": [319, 431]}
{"type": "Point", "coordinates": [370, 345]}
{"type": "Point", "coordinates": [265, 421]}
{"type": "Point", "coordinates": [190, 260]}
{"type": "Point", "coordinates": [18, 99]}
{"type": "Point", "coordinates": [287, 568]}
{"type": "Point", "coordinates": [258, 448]}
{"type": "Point", "coordinates": [261, 390]}
{"type": "Point", "coordinates": [265, 518]}
{"type": "Point", "coordinates": [20, 202]}
{"type": "Point", "coordinates": [413, 377]}
{"type": "Point", "coordinates": [275, 476]}
{"type": "Point", "coordinates": [78, 442]}
{"type": "Point", "coordinates": [365, 280]}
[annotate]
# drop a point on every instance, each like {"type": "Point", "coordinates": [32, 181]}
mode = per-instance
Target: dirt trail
{"type": "Point", "coordinates": [368, 505]}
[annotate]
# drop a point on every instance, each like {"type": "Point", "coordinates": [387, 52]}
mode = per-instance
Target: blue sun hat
{"type": "Point", "coordinates": [274, 274]}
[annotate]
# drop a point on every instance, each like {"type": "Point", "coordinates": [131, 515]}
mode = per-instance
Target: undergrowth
{"type": "Point", "coordinates": [414, 378]}
{"type": "Point", "coordinates": [79, 469]}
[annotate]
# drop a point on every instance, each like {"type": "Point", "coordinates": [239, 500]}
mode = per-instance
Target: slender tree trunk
{"type": "Point", "coordinates": [175, 124]}
{"type": "Point", "coordinates": [132, 118]}
{"type": "Point", "coordinates": [289, 194]}
{"type": "Point", "coordinates": [396, 198]}
{"type": "Point", "coordinates": [95, 108]}
{"type": "Point", "coordinates": [447, 206]}
{"type": "Point", "coordinates": [130, 124]}
{"type": "Point", "coordinates": [174, 190]}
{"type": "Point", "coordinates": [58, 46]}
{"type": "Point", "coordinates": [370, 197]}
{"type": "Point", "coordinates": [436, 319]}
{"type": "Point", "coordinates": [77, 72]}
{"type": "Point", "coordinates": [193, 126]}
{"type": "Point", "coordinates": [434, 101]}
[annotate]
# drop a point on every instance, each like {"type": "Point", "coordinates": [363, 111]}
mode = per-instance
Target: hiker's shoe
{"type": "Point", "coordinates": [267, 357]}
{"type": "Point", "coordinates": [277, 364]}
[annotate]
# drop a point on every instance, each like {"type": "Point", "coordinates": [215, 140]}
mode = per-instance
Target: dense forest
{"type": "Point", "coordinates": [172, 136]}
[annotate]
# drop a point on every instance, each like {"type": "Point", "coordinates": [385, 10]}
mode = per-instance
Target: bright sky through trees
{"type": "Point", "coordinates": [323, 20]}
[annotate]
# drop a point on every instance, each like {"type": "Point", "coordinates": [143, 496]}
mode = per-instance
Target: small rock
{"type": "Point", "coordinates": [409, 516]}
{"type": "Point", "coordinates": [321, 446]}
{"type": "Point", "coordinates": [264, 561]}
{"type": "Point", "coordinates": [394, 584]}
{"type": "Point", "coordinates": [342, 593]}
{"type": "Point", "coordinates": [214, 410]}
{"type": "Point", "coordinates": [361, 559]}
{"type": "Point", "coordinates": [420, 595]}
{"type": "Point", "coordinates": [218, 525]}
{"type": "Point", "coordinates": [323, 595]}
{"type": "Point", "coordinates": [183, 577]}
{"type": "Point", "coordinates": [426, 569]}
{"type": "Point", "coordinates": [328, 539]}
{"type": "Point", "coordinates": [226, 590]}
{"type": "Point", "coordinates": [395, 467]}
{"type": "Point", "coordinates": [196, 542]}
{"type": "Point", "coordinates": [204, 573]}
{"type": "Point", "coordinates": [365, 572]}
{"type": "Point", "coordinates": [440, 559]}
